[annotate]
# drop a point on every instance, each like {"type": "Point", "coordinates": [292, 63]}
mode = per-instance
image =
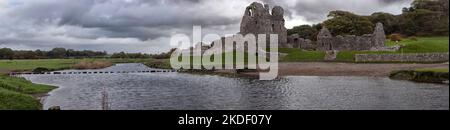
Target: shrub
{"type": "Point", "coordinates": [413, 38]}
{"type": "Point", "coordinates": [41, 70]}
{"type": "Point", "coordinates": [395, 37]}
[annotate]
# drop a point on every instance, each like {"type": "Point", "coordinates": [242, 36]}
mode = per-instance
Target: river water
{"type": "Point", "coordinates": [180, 91]}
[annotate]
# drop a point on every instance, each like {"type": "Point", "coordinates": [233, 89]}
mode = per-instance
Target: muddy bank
{"type": "Point", "coordinates": [347, 69]}
{"type": "Point", "coordinates": [420, 76]}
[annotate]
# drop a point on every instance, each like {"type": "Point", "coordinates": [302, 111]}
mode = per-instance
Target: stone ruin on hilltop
{"type": "Point", "coordinates": [259, 19]}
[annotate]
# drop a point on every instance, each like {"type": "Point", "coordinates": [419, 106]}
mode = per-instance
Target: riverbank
{"type": "Point", "coordinates": [348, 69]}
{"type": "Point", "coordinates": [209, 92]}
{"type": "Point", "coordinates": [7, 66]}
{"type": "Point", "coordinates": [21, 94]}
{"type": "Point", "coordinates": [327, 69]}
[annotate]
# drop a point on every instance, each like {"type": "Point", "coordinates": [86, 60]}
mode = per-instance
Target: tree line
{"type": "Point", "coordinates": [423, 18]}
{"type": "Point", "coordinates": [61, 53]}
{"type": "Point", "coordinates": [164, 55]}
{"type": "Point", "coordinates": [7, 53]}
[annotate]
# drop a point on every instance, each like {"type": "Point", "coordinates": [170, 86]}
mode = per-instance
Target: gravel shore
{"type": "Point", "coordinates": [348, 69]}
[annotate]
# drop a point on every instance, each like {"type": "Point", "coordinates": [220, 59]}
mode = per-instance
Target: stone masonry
{"type": "Point", "coordinates": [259, 20]}
{"type": "Point", "coordinates": [374, 41]}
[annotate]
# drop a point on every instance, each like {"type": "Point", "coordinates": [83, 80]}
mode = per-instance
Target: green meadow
{"type": "Point", "coordinates": [419, 45]}
{"type": "Point", "coordinates": [15, 93]}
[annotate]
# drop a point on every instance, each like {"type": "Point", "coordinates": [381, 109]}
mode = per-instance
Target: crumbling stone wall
{"type": "Point", "coordinates": [374, 41]}
{"type": "Point", "coordinates": [415, 57]}
{"type": "Point", "coordinates": [259, 20]}
{"type": "Point", "coordinates": [295, 41]}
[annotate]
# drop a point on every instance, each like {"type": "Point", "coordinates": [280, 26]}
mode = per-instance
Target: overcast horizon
{"type": "Point", "coordinates": [147, 25]}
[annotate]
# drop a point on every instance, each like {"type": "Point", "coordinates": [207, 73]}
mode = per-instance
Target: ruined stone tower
{"type": "Point", "coordinates": [379, 37]}
{"type": "Point", "coordinates": [259, 20]}
{"type": "Point", "coordinates": [324, 40]}
{"type": "Point", "coordinates": [374, 41]}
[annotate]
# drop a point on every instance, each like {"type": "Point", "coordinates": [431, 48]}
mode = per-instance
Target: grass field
{"type": "Point", "coordinates": [15, 93]}
{"type": "Point", "coordinates": [421, 45]}
{"type": "Point", "coordinates": [7, 66]}
{"type": "Point", "coordinates": [433, 70]}
{"type": "Point", "coordinates": [234, 57]}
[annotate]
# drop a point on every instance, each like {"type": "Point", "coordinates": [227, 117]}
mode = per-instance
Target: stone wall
{"type": "Point", "coordinates": [415, 57]}
{"type": "Point", "coordinates": [374, 41]}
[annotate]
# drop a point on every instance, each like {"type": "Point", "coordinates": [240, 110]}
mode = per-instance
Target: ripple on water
{"type": "Point", "coordinates": [178, 91]}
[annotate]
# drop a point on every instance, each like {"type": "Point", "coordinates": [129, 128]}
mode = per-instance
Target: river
{"type": "Point", "coordinates": [181, 91]}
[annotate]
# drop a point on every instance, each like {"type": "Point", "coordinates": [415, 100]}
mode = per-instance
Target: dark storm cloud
{"type": "Point", "coordinates": [131, 25]}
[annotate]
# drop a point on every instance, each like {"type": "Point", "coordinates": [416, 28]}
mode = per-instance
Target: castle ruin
{"type": "Point", "coordinates": [259, 20]}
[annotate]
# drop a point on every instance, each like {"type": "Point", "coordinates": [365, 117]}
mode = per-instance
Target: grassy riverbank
{"type": "Point", "coordinates": [418, 45]}
{"type": "Point", "coordinates": [16, 93]}
{"type": "Point", "coordinates": [427, 75]}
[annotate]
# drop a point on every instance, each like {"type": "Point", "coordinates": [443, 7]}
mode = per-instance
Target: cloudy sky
{"type": "Point", "coordinates": [147, 25]}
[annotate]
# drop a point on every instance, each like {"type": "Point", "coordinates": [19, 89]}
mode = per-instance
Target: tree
{"type": "Point", "coordinates": [58, 53]}
{"type": "Point", "coordinates": [40, 54]}
{"type": "Point", "coordinates": [427, 17]}
{"type": "Point", "coordinates": [347, 23]}
{"type": "Point", "coordinates": [304, 31]}
{"type": "Point", "coordinates": [6, 53]}
{"type": "Point", "coordinates": [422, 22]}
{"type": "Point", "coordinates": [389, 21]}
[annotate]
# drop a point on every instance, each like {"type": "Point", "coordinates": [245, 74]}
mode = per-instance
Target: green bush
{"type": "Point", "coordinates": [10, 100]}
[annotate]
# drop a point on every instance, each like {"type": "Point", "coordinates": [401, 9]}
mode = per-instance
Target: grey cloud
{"type": "Point", "coordinates": [135, 25]}
{"type": "Point", "coordinates": [316, 10]}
